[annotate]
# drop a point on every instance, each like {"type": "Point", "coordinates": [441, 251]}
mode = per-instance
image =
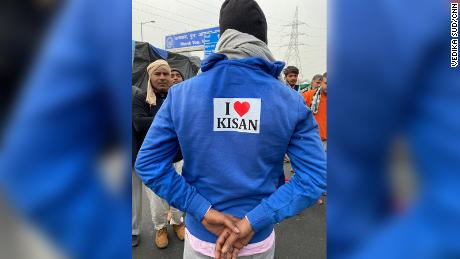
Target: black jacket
{"type": "Point", "coordinates": [143, 115]}
{"type": "Point", "coordinates": [134, 135]}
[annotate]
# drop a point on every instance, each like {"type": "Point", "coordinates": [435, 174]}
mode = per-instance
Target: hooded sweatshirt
{"type": "Point", "coordinates": [234, 122]}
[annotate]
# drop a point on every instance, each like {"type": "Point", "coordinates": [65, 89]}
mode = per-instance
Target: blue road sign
{"type": "Point", "coordinates": [210, 42]}
{"type": "Point", "coordinates": [188, 39]}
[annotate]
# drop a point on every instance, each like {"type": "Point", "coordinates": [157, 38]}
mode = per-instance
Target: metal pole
{"type": "Point", "coordinates": [142, 36]}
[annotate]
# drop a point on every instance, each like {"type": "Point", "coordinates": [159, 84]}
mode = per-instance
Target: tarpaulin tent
{"type": "Point", "coordinates": [144, 54]}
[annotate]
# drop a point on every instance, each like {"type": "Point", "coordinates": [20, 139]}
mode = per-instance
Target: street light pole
{"type": "Point", "coordinates": [142, 36]}
{"type": "Point", "coordinates": [142, 23]}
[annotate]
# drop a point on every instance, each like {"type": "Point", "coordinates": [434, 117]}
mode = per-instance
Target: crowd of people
{"type": "Point", "coordinates": [315, 96]}
{"type": "Point", "coordinates": [227, 131]}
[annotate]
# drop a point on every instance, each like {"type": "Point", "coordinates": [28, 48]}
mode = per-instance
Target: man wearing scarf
{"type": "Point", "coordinates": [316, 82]}
{"type": "Point", "coordinates": [146, 105]}
{"type": "Point", "coordinates": [234, 123]}
{"type": "Point", "coordinates": [316, 99]}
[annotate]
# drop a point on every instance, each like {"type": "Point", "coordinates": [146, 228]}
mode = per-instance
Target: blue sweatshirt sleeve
{"type": "Point", "coordinates": [308, 160]}
{"type": "Point", "coordinates": [154, 165]}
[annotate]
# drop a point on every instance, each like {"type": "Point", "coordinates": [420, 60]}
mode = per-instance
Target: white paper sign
{"type": "Point", "coordinates": [237, 114]}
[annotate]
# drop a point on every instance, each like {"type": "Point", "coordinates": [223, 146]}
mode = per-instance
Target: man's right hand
{"type": "Point", "coordinates": [229, 244]}
{"type": "Point", "coordinates": [216, 222]}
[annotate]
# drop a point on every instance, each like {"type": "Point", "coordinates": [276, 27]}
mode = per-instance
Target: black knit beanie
{"type": "Point", "coordinates": [178, 71]}
{"type": "Point", "coordinates": [244, 16]}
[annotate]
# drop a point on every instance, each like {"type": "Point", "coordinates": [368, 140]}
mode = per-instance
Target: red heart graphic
{"type": "Point", "coordinates": [241, 108]}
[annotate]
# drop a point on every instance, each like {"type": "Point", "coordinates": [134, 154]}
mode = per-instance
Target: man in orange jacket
{"type": "Point", "coordinates": [316, 100]}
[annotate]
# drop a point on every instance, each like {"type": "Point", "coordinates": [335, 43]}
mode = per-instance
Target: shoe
{"type": "Point", "coordinates": [135, 240]}
{"type": "Point", "coordinates": [180, 231]}
{"type": "Point", "coordinates": [161, 238]}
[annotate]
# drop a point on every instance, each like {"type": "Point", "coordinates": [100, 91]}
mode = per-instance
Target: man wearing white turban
{"type": "Point", "coordinates": [145, 106]}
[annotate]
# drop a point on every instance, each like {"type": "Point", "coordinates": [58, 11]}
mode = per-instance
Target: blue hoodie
{"type": "Point", "coordinates": [234, 123]}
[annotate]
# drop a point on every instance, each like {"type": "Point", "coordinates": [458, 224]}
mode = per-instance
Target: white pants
{"type": "Point", "coordinates": [136, 203]}
{"type": "Point", "coordinates": [160, 208]}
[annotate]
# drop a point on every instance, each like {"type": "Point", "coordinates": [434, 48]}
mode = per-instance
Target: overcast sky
{"type": "Point", "coordinates": [177, 16]}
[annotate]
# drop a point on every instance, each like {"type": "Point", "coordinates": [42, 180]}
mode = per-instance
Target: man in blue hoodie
{"type": "Point", "coordinates": [234, 123]}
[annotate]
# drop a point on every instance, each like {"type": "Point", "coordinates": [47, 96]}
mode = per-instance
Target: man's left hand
{"type": "Point", "coordinates": [230, 243]}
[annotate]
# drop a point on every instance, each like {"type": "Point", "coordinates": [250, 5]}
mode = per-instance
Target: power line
{"type": "Point", "coordinates": [201, 22]}
{"type": "Point", "coordinates": [171, 19]}
{"type": "Point", "coordinates": [198, 8]}
{"type": "Point", "coordinates": [159, 28]}
{"type": "Point", "coordinates": [215, 13]}
{"type": "Point", "coordinates": [166, 17]}
{"type": "Point", "coordinates": [175, 14]}
{"type": "Point", "coordinates": [319, 28]}
{"type": "Point", "coordinates": [207, 4]}
{"type": "Point", "coordinates": [275, 18]}
{"type": "Point", "coordinates": [158, 15]}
